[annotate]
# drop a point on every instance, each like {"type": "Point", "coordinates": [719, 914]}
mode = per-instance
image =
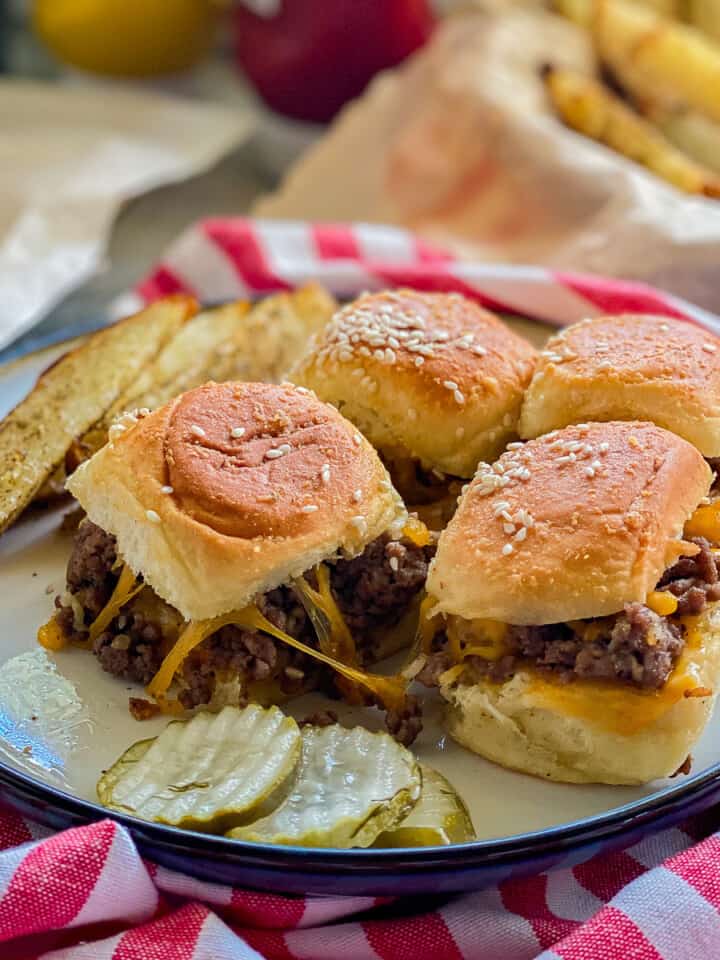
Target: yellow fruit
{"type": "Point", "coordinates": [126, 37]}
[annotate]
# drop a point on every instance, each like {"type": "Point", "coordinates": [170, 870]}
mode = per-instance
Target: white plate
{"type": "Point", "coordinates": [76, 735]}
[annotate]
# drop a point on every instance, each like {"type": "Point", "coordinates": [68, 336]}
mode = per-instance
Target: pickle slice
{"type": "Point", "coordinates": [209, 773]}
{"type": "Point", "coordinates": [438, 818]}
{"type": "Point", "coordinates": [350, 786]}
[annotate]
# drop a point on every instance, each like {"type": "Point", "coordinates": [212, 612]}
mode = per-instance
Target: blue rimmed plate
{"type": "Point", "coordinates": [62, 720]}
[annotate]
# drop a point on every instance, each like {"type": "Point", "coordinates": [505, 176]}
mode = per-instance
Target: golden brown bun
{"type": "Point", "coordinates": [432, 374]}
{"type": "Point", "coordinates": [234, 523]}
{"type": "Point", "coordinates": [599, 529]}
{"type": "Point", "coordinates": [534, 725]}
{"type": "Point", "coordinates": [629, 368]}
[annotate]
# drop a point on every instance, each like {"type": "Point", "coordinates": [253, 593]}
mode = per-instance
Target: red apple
{"type": "Point", "coordinates": [309, 57]}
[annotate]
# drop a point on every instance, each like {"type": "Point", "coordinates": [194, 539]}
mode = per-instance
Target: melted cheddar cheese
{"type": "Point", "coordinates": [52, 637]}
{"type": "Point", "coordinates": [619, 708]}
{"type": "Point", "coordinates": [391, 691]}
{"type": "Point", "coordinates": [705, 522]}
{"type": "Point", "coordinates": [482, 638]}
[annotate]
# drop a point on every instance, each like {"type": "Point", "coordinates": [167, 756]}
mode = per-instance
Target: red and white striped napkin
{"type": "Point", "coordinates": [86, 894]}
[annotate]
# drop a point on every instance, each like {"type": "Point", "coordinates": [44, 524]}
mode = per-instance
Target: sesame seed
{"type": "Point", "coordinates": [237, 432]}
{"type": "Point", "coordinates": [521, 534]}
{"type": "Point", "coordinates": [459, 397]}
{"type": "Point", "coordinates": [596, 464]}
{"type": "Point", "coordinates": [709, 347]}
{"type": "Point", "coordinates": [507, 549]}
{"type": "Point", "coordinates": [285, 448]}
{"type": "Point", "coordinates": [450, 385]}
{"type": "Point", "coordinates": [664, 327]}
{"type": "Point", "coordinates": [152, 516]}
{"type": "Point", "coordinates": [604, 447]}
{"type": "Point", "coordinates": [515, 445]}
{"type": "Point", "coordinates": [508, 528]}
{"type": "Point", "coordinates": [357, 439]}
{"type": "Point", "coordinates": [197, 431]}
{"type": "Point", "coordinates": [394, 564]}
{"type": "Point", "coordinates": [166, 489]}
{"type": "Point", "coordinates": [419, 361]}
{"type": "Point", "coordinates": [303, 390]}
{"type": "Point", "coordinates": [273, 454]}
{"type": "Point", "coordinates": [589, 471]}
{"type": "Point", "coordinates": [325, 474]}
{"type": "Point", "coordinates": [604, 365]}
{"type": "Point", "coordinates": [309, 508]}
{"type": "Point", "coordinates": [357, 495]}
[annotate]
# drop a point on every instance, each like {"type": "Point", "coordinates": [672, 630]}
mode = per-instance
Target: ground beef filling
{"type": "Point", "coordinates": [635, 646]}
{"type": "Point", "coordinates": [373, 591]}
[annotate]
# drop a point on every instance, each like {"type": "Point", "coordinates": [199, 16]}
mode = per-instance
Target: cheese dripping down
{"type": "Point", "coordinates": [390, 691]}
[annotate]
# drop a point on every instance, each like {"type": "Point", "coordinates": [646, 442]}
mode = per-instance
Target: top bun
{"type": "Point", "coordinates": [570, 526]}
{"type": "Point", "coordinates": [630, 367]}
{"type": "Point", "coordinates": [232, 489]}
{"type": "Point", "coordinates": [432, 374]}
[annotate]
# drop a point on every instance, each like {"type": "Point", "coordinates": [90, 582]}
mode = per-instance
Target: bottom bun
{"type": "Point", "coordinates": [523, 723]}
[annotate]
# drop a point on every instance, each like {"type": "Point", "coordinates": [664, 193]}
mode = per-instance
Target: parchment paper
{"type": "Point", "coordinates": [69, 156]}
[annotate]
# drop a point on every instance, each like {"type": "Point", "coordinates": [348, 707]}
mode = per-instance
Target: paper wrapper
{"type": "Point", "coordinates": [460, 145]}
{"type": "Point", "coordinates": [69, 157]}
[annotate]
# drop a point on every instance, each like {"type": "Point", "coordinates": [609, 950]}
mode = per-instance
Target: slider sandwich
{"type": "Point", "coordinates": [629, 367]}
{"type": "Point", "coordinates": [242, 542]}
{"type": "Point", "coordinates": [574, 626]}
{"type": "Point", "coordinates": [432, 380]}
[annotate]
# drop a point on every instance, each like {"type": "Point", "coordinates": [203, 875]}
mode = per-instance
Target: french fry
{"type": "Point", "coordinates": [588, 107]}
{"type": "Point", "coordinates": [579, 11]}
{"type": "Point", "coordinates": [655, 59]}
{"type": "Point", "coordinates": [691, 132]}
{"type": "Point", "coordinates": [74, 394]}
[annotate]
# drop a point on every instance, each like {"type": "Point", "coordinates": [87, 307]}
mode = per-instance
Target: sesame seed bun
{"type": "Point", "coordinates": [232, 489]}
{"type": "Point", "coordinates": [629, 367]}
{"type": "Point", "coordinates": [433, 375]}
{"type": "Point", "coordinates": [572, 525]}
{"type": "Point", "coordinates": [587, 732]}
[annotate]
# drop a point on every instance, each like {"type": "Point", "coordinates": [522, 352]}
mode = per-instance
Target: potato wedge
{"type": "Point", "coordinates": [274, 334]}
{"type": "Point", "coordinates": [350, 786]}
{"type": "Point", "coordinates": [236, 341]}
{"type": "Point", "coordinates": [588, 107]}
{"type": "Point", "coordinates": [209, 773]}
{"type": "Point", "coordinates": [658, 59]}
{"type": "Point", "coordinates": [74, 394]}
{"type": "Point", "coordinates": [185, 362]}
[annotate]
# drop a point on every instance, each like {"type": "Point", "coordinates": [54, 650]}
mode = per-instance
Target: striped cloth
{"type": "Point", "coordinates": [86, 894]}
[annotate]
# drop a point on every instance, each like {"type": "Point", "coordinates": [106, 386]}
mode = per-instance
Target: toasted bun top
{"type": "Point", "coordinates": [629, 367]}
{"type": "Point", "coordinates": [432, 374]}
{"type": "Point", "coordinates": [570, 526]}
{"type": "Point", "coordinates": [232, 489]}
